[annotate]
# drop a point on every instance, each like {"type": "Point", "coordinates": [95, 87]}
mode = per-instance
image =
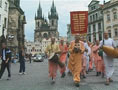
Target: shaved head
{"type": "Point", "coordinates": [106, 35]}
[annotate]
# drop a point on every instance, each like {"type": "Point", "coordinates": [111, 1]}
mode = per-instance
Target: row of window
{"type": "Point", "coordinates": [100, 35]}
{"type": "Point", "coordinates": [93, 17]}
{"type": "Point", "coordinates": [6, 5]}
{"type": "Point", "coordinates": [115, 33]}
{"type": "Point", "coordinates": [115, 16]}
{"type": "Point", "coordinates": [36, 50]}
{"type": "Point", "coordinates": [94, 37]}
{"type": "Point", "coordinates": [94, 27]}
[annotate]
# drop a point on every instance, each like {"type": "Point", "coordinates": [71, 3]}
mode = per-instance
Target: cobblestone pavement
{"type": "Point", "coordinates": [37, 79]}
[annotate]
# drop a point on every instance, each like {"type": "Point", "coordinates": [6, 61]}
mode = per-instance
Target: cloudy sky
{"type": "Point", "coordinates": [63, 8]}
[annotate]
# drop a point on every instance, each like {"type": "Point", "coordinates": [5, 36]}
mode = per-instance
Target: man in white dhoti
{"type": "Point", "coordinates": [108, 61]}
{"type": "Point", "coordinates": [87, 54]}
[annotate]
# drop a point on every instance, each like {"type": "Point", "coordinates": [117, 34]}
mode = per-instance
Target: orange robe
{"type": "Point", "coordinates": [53, 67]}
{"type": "Point", "coordinates": [97, 58]}
{"type": "Point", "coordinates": [63, 55]}
{"type": "Point", "coordinates": [91, 58]}
{"type": "Point", "coordinates": [75, 61]}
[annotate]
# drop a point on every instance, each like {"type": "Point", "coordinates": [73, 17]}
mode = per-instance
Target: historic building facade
{"type": "Point", "coordinates": [95, 21]}
{"type": "Point", "coordinates": [16, 24]}
{"type": "Point", "coordinates": [33, 47]}
{"type": "Point", "coordinates": [4, 9]}
{"type": "Point", "coordinates": [43, 28]}
{"type": "Point", "coordinates": [110, 11]}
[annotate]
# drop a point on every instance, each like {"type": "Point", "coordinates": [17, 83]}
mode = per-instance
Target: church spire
{"type": "Point", "coordinates": [53, 12]}
{"type": "Point", "coordinates": [39, 11]}
{"type": "Point", "coordinates": [104, 2]}
{"type": "Point", "coordinates": [17, 3]}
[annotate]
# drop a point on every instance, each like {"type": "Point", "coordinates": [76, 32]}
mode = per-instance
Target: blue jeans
{"type": "Point", "coordinates": [22, 66]}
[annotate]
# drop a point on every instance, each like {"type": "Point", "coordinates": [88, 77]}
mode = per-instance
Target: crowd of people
{"type": "Point", "coordinates": [79, 58]}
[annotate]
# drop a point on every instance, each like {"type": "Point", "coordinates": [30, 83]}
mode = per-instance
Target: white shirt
{"type": "Point", "coordinates": [108, 42]}
{"type": "Point", "coordinates": [4, 56]}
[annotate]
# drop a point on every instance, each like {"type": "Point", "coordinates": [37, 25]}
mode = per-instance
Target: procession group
{"type": "Point", "coordinates": [79, 57]}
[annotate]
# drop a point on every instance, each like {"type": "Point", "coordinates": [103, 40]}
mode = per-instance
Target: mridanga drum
{"type": "Point", "coordinates": [54, 58]}
{"type": "Point", "coordinates": [110, 51]}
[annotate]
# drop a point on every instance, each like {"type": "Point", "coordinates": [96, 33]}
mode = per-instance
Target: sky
{"type": "Point", "coordinates": [64, 7]}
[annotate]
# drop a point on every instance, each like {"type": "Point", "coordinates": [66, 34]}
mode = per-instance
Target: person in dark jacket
{"type": "Point", "coordinates": [6, 61]}
{"type": "Point", "coordinates": [22, 61]}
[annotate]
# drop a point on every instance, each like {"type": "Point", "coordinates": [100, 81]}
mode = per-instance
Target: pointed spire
{"type": "Point", "coordinates": [53, 12]}
{"type": "Point", "coordinates": [39, 11]}
{"type": "Point", "coordinates": [104, 2]}
{"type": "Point", "coordinates": [17, 3]}
{"type": "Point", "coordinates": [39, 8]}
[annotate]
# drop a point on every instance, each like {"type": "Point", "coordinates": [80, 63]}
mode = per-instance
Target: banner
{"type": "Point", "coordinates": [79, 22]}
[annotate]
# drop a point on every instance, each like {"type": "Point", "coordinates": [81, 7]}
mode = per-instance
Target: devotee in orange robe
{"type": "Point", "coordinates": [53, 67]}
{"type": "Point", "coordinates": [97, 58]}
{"type": "Point", "coordinates": [63, 55]}
{"type": "Point", "coordinates": [75, 61]}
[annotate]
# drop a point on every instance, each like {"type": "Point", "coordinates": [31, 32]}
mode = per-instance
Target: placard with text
{"type": "Point", "coordinates": [79, 22]}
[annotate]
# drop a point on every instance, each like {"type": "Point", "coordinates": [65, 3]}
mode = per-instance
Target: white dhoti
{"type": "Point", "coordinates": [108, 61]}
{"type": "Point", "coordinates": [109, 66]}
{"type": "Point", "coordinates": [87, 63]}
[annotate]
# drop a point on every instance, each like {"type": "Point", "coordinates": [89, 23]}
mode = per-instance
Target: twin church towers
{"type": "Point", "coordinates": [46, 28]}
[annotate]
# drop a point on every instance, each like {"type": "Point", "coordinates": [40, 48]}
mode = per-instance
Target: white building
{"type": "Point", "coordinates": [33, 47]}
{"type": "Point", "coordinates": [110, 11]}
{"type": "Point", "coordinates": [40, 47]}
{"type": "Point", "coordinates": [95, 21]}
{"type": "Point", "coordinates": [4, 9]}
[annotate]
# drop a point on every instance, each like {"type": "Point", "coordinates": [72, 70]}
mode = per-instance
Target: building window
{"type": "Point", "coordinates": [100, 37]}
{"type": "Point", "coordinates": [0, 19]}
{"type": "Point", "coordinates": [96, 16]}
{"type": "Point", "coordinates": [5, 22]}
{"type": "Point", "coordinates": [0, 3]}
{"type": "Point", "coordinates": [52, 22]}
{"type": "Point", "coordinates": [90, 18]}
{"type": "Point", "coordinates": [93, 17]}
{"type": "Point", "coordinates": [108, 17]}
{"type": "Point", "coordinates": [99, 26]}
{"type": "Point", "coordinates": [109, 32]}
{"type": "Point", "coordinates": [89, 29]}
{"type": "Point", "coordinates": [6, 6]}
{"type": "Point", "coordinates": [116, 32]}
{"type": "Point", "coordinates": [38, 24]}
{"type": "Point", "coordinates": [94, 28]}
{"type": "Point", "coordinates": [115, 15]}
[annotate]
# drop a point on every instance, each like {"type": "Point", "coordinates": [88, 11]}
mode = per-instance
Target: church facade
{"type": "Point", "coordinates": [46, 28]}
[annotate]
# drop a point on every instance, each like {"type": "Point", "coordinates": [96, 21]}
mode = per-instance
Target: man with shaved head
{"type": "Point", "coordinates": [108, 61]}
{"type": "Point", "coordinates": [52, 48]}
{"type": "Point", "coordinates": [63, 47]}
{"type": "Point", "coordinates": [76, 50]}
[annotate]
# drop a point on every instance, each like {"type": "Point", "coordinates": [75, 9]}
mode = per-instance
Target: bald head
{"type": "Point", "coordinates": [77, 37]}
{"type": "Point", "coordinates": [106, 36]}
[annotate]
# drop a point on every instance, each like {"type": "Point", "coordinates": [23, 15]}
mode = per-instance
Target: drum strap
{"type": "Point", "coordinates": [103, 41]}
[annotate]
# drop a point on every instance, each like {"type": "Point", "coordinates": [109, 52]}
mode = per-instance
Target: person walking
{"type": "Point", "coordinates": [108, 61]}
{"type": "Point", "coordinates": [53, 67]}
{"type": "Point", "coordinates": [63, 49]}
{"type": "Point", "coordinates": [6, 61]}
{"type": "Point", "coordinates": [22, 61]}
{"type": "Point", "coordinates": [75, 61]}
